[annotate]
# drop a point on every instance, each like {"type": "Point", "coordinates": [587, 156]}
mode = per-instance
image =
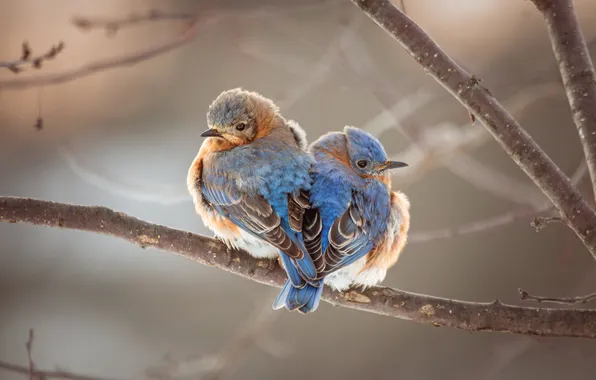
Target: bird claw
{"type": "Point", "coordinates": [271, 264]}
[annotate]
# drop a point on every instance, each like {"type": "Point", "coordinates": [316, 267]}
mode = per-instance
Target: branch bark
{"type": "Point", "coordinates": [576, 212]}
{"type": "Point", "coordinates": [467, 316]}
{"type": "Point", "coordinates": [577, 72]}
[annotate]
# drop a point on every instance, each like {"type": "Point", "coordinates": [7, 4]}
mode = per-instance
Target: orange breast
{"type": "Point", "coordinates": [385, 255]}
{"type": "Point", "coordinates": [220, 225]}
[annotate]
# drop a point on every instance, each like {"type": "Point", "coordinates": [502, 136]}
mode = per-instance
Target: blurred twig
{"type": "Point", "coordinates": [112, 25]}
{"type": "Point", "coordinates": [36, 374]}
{"type": "Point", "coordinates": [28, 59]}
{"type": "Point", "coordinates": [524, 295]}
{"type": "Point", "coordinates": [492, 222]}
{"type": "Point", "coordinates": [29, 346]}
{"type": "Point", "coordinates": [188, 33]}
{"type": "Point", "coordinates": [540, 222]}
{"type": "Point", "coordinates": [493, 181]}
{"type": "Point", "coordinates": [225, 363]}
{"type": "Point", "coordinates": [437, 145]}
{"type": "Point", "coordinates": [468, 316]}
{"type": "Point", "coordinates": [473, 227]}
{"type": "Point", "coordinates": [577, 72]}
{"type": "Point", "coordinates": [154, 192]}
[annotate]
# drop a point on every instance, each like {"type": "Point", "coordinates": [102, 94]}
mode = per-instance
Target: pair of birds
{"type": "Point", "coordinates": [326, 211]}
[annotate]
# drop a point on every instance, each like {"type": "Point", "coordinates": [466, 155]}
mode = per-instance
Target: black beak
{"type": "Point", "coordinates": [393, 165]}
{"type": "Point", "coordinates": [211, 133]}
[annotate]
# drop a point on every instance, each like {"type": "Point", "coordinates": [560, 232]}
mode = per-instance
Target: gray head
{"type": "Point", "coordinates": [240, 116]}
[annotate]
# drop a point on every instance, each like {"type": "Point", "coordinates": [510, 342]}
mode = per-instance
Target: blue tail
{"type": "Point", "coordinates": [305, 299]}
{"type": "Point", "coordinates": [291, 270]}
{"type": "Point", "coordinates": [305, 265]}
{"type": "Point", "coordinates": [307, 268]}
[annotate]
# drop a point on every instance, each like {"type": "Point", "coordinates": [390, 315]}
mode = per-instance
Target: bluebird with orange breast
{"type": "Point", "coordinates": [250, 181]}
{"type": "Point", "coordinates": [357, 226]}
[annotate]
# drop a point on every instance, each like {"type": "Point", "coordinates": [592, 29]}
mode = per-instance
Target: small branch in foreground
{"type": "Point", "coordinates": [541, 222]}
{"type": "Point", "coordinates": [187, 35]}
{"type": "Point", "coordinates": [113, 25]}
{"type": "Point", "coordinates": [473, 227]}
{"type": "Point", "coordinates": [29, 346]}
{"type": "Point", "coordinates": [44, 375]}
{"type": "Point", "coordinates": [27, 59]}
{"type": "Point", "coordinates": [492, 222]}
{"type": "Point", "coordinates": [528, 155]}
{"type": "Point", "coordinates": [524, 295]}
{"type": "Point", "coordinates": [35, 374]}
{"type": "Point", "coordinates": [226, 362]}
{"type": "Point", "coordinates": [577, 72]}
{"type": "Point", "coordinates": [467, 316]}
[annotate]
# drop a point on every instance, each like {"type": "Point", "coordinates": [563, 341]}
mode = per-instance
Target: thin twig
{"type": "Point", "coordinates": [112, 25]}
{"type": "Point", "coordinates": [524, 295]}
{"type": "Point", "coordinates": [540, 222]}
{"type": "Point", "coordinates": [34, 374]}
{"type": "Point", "coordinates": [402, 5]}
{"type": "Point", "coordinates": [492, 222]}
{"type": "Point", "coordinates": [43, 375]}
{"type": "Point", "coordinates": [467, 316]}
{"type": "Point", "coordinates": [29, 346]}
{"type": "Point", "coordinates": [492, 181]}
{"type": "Point", "coordinates": [224, 363]}
{"type": "Point", "coordinates": [473, 227]}
{"type": "Point", "coordinates": [577, 72]}
{"type": "Point", "coordinates": [577, 213]}
{"type": "Point", "coordinates": [187, 35]}
{"type": "Point", "coordinates": [26, 58]}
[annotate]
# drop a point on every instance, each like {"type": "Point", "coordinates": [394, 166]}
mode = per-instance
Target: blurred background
{"type": "Point", "coordinates": [124, 139]}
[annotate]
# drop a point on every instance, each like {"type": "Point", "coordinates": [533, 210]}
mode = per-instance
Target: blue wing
{"type": "Point", "coordinates": [305, 298]}
{"type": "Point", "coordinates": [349, 240]}
{"type": "Point", "coordinates": [254, 214]}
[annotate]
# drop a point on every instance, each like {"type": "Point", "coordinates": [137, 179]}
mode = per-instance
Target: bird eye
{"type": "Point", "coordinates": [361, 163]}
{"type": "Point", "coordinates": [240, 126]}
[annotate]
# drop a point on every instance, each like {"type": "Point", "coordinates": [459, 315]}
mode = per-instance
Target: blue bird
{"type": "Point", "coordinates": [250, 181]}
{"type": "Point", "coordinates": [357, 226]}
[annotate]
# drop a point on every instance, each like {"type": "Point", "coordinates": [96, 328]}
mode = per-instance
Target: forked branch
{"type": "Point", "coordinates": [577, 72]}
{"type": "Point", "coordinates": [574, 210]}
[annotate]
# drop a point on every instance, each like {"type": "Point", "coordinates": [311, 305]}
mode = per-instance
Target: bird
{"type": "Point", "coordinates": [250, 181]}
{"type": "Point", "coordinates": [357, 226]}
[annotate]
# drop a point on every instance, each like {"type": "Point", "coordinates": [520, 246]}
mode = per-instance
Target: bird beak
{"type": "Point", "coordinates": [211, 133]}
{"type": "Point", "coordinates": [392, 165]}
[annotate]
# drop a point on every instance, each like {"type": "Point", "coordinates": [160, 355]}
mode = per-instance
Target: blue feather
{"type": "Point", "coordinates": [305, 299]}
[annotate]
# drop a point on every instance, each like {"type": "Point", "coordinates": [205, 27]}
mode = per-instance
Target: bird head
{"type": "Point", "coordinates": [240, 116]}
{"type": "Point", "coordinates": [367, 156]}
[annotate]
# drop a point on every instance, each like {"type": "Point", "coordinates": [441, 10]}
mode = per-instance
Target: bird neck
{"type": "Point", "coordinates": [215, 144]}
{"type": "Point", "coordinates": [267, 122]}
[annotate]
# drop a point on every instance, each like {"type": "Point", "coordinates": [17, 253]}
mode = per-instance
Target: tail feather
{"type": "Point", "coordinates": [307, 268]}
{"type": "Point", "coordinates": [305, 299]}
{"type": "Point", "coordinates": [292, 271]}
{"type": "Point", "coordinates": [314, 299]}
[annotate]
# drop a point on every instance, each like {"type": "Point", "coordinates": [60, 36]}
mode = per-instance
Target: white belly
{"type": "Point", "coordinates": [352, 275]}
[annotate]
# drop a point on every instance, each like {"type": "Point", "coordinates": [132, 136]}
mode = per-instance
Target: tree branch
{"type": "Point", "coordinates": [524, 295]}
{"type": "Point", "coordinates": [577, 72]}
{"type": "Point", "coordinates": [576, 212]}
{"type": "Point", "coordinates": [188, 34]}
{"type": "Point", "coordinates": [26, 58]}
{"type": "Point", "coordinates": [467, 316]}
